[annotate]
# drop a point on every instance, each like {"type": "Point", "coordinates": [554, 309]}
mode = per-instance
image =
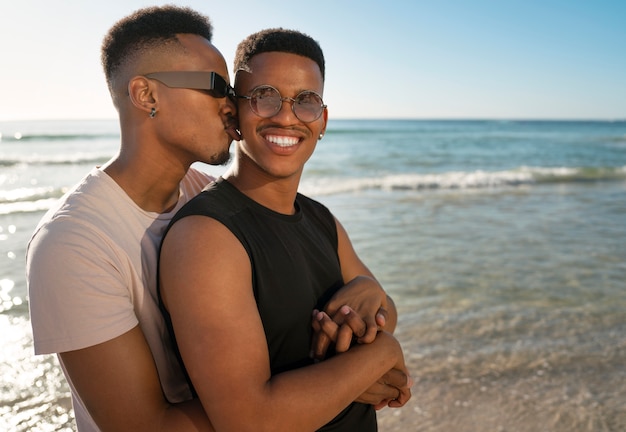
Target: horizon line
{"type": "Point", "coordinates": [372, 118]}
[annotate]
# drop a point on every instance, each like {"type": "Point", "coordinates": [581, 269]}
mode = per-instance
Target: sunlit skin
{"type": "Point", "coordinates": [274, 150]}
{"type": "Point", "coordinates": [189, 126]}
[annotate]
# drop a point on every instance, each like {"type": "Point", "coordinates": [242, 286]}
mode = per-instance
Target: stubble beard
{"type": "Point", "coordinates": [221, 158]}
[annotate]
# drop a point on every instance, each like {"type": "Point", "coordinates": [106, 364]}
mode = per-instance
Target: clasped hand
{"type": "Point", "coordinates": [355, 315]}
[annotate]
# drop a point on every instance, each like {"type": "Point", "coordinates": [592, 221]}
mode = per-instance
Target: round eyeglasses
{"type": "Point", "coordinates": [266, 101]}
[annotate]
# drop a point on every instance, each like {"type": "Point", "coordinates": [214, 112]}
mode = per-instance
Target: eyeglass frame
{"type": "Point", "coordinates": [195, 80]}
{"type": "Point", "coordinates": [284, 99]}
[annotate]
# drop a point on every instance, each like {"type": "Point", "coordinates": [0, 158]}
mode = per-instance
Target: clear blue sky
{"type": "Point", "coordinates": [385, 58]}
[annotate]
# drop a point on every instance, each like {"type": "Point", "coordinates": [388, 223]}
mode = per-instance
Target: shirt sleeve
{"type": "Point", "coordinates": [78, 284]}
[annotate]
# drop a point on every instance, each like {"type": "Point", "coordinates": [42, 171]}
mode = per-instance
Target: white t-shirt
{"type": "Point", "coordinates": [91, 271]}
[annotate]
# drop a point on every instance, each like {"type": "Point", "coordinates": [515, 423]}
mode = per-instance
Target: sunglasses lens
{"type": "Point", "coordinates": [308, 106]}
{"type": "Point", "coordinates": [219, 87]}
{"type": "Point", "coordinates": [265, 101]}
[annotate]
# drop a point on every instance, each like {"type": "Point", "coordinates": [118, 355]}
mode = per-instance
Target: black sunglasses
{"type": "Point", "coordinates": [211, 82]}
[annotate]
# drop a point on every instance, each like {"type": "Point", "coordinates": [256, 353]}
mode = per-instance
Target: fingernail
{"type": "Point", "coordinates": [345, 310]}
{"type": "Point", "coordinates": [410, 382]}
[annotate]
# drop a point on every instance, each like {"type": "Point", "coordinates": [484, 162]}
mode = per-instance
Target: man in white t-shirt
{"type": "Point", "coordinates": [91, 263]}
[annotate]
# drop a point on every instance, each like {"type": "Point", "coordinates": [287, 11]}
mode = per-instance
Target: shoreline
{"type": "Point", "coordinates": [547, 391]}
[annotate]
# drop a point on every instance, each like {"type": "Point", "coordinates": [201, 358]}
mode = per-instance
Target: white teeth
{"type": "Point", "coordinates": [282, 141]}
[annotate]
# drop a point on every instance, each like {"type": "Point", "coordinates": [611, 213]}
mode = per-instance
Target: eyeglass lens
{"type": "Point", "coordinates": [266, 102]}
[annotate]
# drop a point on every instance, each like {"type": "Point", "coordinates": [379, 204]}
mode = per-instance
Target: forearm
{"type": "Point", "coordinates": [185, 416]}
{"type": "Point", "coordinates": [119, 384]}
{"type": "Point", "coordinates": [309, 397]}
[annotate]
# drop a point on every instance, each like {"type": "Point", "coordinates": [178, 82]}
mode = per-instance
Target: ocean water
{"type": "Point", "coordinates": [501, 242]}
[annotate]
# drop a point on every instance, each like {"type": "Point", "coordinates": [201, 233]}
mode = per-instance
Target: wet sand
{"type": "Point", "coordinates": [459, 394]}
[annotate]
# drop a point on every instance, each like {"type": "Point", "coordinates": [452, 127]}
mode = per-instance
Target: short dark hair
{"type": "Point", "coordinates": [278, 40]}
{"type": "Point", "coordinates": [147, 28]}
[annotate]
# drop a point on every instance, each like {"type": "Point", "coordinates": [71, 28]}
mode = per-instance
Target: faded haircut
{"type": "Point", "coordinates": [278, 40]}
{"type": "Point", "coordinates": [148, 28]}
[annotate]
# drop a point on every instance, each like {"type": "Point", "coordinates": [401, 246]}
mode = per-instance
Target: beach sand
{"type": "Point", "coordinates": [508, 397]}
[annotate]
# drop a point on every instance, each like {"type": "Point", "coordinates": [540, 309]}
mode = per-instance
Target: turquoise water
{"type": "Point", "coordinates": [502, 244]}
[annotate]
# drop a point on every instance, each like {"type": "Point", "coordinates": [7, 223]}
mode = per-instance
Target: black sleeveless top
{"type": "Point", "coordinates": [295, 269]}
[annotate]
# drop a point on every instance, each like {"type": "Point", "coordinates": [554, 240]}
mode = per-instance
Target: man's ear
{"type": "Point", "coordinates": [325, 117]}
{"type": "Point", "coordinates": [143, 93]}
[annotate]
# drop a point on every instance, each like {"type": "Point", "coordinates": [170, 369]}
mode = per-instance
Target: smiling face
{"type": "Point", "coordinates": [278, 147]}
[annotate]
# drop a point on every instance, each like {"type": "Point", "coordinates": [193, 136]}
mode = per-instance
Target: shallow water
{"type": "Point", "coordinates": [511, 305]}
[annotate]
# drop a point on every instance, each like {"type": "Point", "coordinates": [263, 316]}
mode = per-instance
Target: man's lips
{"type": "Point", "coordinates": [282, 140]}
{"type": "Point", "coordinates": [231, 129]}
{"type": "Point", "coordinates": [233, 133]}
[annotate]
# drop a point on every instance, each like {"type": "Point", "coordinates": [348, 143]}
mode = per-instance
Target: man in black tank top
{"type": "Point", "coordinates": [246, 262]}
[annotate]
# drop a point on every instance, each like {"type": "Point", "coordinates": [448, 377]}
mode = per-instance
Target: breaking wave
{"type": "Point", "coordinates": [463, 180]}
